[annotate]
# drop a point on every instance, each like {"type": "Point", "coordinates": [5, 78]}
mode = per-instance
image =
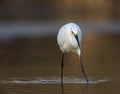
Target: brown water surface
{"type": "Point", "coordinates": [32, 66]}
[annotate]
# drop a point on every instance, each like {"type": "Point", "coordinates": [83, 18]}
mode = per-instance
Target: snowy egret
{"type": "Point", "coordinates": [69, 39]}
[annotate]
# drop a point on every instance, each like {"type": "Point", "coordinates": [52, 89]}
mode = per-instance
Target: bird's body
{"type": "Point", "coordinates": [69, 39]}
{"type": "Point", "coordinates": [66, 39]}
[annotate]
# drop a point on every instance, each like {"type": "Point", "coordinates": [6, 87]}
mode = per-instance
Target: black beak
{"type": "Point", "coordinates": [76, 37]}
{"type": "Point", "coordinates": [83, 71]}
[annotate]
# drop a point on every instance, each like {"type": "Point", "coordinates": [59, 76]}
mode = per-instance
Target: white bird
{"type": "Point", "coordinates": [69, 38]}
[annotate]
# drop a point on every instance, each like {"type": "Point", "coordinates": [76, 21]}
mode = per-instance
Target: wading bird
{"type": "Point", "coordinates": [69, 39]}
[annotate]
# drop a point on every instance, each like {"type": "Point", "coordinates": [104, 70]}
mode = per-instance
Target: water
{"type": "Point", "coordinates": [32, 66]}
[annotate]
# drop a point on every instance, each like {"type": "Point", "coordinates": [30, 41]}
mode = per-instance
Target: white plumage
{"type": "Point", "coordinates": [69, 38]}
{"type": "Point", "coordinates": [66, 38]}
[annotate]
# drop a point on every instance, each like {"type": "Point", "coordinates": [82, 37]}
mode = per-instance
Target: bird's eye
{"type": "Point", "coordinates": [72, 32]}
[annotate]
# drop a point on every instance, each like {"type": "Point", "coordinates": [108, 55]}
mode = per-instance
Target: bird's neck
{"type": "Point", "coordinates": [78, 52]}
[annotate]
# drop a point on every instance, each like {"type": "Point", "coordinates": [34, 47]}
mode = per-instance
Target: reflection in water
{"type": "Point", "coordinates": [31, 66]}
{"type": "Point", "coordinates": [51, 80]}
{"type": "Point", "coordinates": [62, 88]}
{"type": "Point", "coordinates": [84, 89]}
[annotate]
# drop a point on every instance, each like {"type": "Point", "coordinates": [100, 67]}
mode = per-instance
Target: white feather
{"type": "Point", "coordinates": [67, 41]}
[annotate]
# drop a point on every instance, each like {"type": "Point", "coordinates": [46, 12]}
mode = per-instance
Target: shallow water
{"type": "Point", "coordinates": [52, 86]}
{"type": "Point", "coordinates": [51, 80]}
{"type": "Point", "coordinates": [32, 66]}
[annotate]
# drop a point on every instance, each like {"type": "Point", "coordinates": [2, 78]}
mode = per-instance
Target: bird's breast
{"type": "Point", "coordinates": [72, 42]}
{"type": "Point", "coordinates": [69, 45]}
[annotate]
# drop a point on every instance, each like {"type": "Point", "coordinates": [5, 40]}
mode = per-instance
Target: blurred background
{"type": "Point", "coordinates": [28, 30]}
{"type": "Point", "coordinates": [64, 10]}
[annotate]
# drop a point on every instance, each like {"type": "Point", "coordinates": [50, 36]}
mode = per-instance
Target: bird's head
{"type": "Point", "coordinates": [75, 31]}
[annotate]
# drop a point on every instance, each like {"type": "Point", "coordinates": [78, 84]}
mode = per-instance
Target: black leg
{"type": "Point", "coordinates": [83, 71]}
{"type": "Point", "coordinates": [62, 65]}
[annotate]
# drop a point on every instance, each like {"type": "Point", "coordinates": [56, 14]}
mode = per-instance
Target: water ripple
{"type": "Point", "coordinates": [52, 80]}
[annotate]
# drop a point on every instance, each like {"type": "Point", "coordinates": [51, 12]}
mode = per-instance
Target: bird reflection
{"type": "Point", "coordinates": [84, 89]}
{"type": "Point", "coordinates": [62, 88]}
